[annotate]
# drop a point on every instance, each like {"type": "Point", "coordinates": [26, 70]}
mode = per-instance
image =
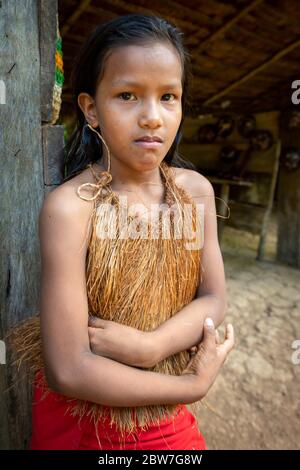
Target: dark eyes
{"type": "Point", "coordinates": [126, 96]}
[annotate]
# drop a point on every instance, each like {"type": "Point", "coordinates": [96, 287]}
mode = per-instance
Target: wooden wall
{"type": "Point", "coordinates": [246, 204]}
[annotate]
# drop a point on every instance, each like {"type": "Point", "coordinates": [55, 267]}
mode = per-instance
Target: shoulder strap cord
{"type": "Point", "coordinates": [102, 180]}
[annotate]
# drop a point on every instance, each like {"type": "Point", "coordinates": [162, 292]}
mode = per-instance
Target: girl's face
{"type": "Point", "coordinates": [139, 95]}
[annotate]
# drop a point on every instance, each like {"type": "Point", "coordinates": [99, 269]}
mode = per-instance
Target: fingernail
{"type": "Point", "coordinates": [209, 322]}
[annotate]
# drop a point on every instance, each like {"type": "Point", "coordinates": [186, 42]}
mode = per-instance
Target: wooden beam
{"type": "Point", "coordinates": [220, 32]}
{"type": "Point", "coordinates": [280, 90]}
{"type": "Point", "coordinates": [195, 15]}
{"type": "Point", "coordinates": [253, 72]}
{"type": "Point", "coordinates": [74, 17]}
{"type": "Point", "coordinates": [132, 8]}
{"type": "Point", "coordinates": [164, 9]}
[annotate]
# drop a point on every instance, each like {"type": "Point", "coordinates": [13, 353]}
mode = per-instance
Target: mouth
{"type": "Point", "coordinates": [149, 142]}
{"type": "Point", "coordinates": [153, 144]}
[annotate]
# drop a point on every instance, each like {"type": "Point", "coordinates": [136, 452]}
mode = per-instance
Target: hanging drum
{"type": "Point", "coordinates": [207, 134]}
{"type": "Point", "coordinates": [246, 125]}
{"type": "Point", "coordinates": [229, 154]}
{"type": "Point", "coordinates": [291, 158]}
{"type": "Point", "coordinates": [261, 140]}
{"type": "Point", "coordinates": [290, 119]}
{"type": "Point", "coordinates": [225, 126]}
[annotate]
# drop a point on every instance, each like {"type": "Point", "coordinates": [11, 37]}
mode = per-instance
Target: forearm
{"type": "Point", "coordinates": [107, 382]}
{"type": "Point", "coordinates": [185, 329]}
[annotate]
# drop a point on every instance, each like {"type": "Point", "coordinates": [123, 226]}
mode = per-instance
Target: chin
{"type": "Point", "coordinates": [149, 161]}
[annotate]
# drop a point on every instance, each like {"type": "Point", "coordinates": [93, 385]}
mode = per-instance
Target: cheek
{"type": "Point", "coordinates": [116, 133]}
{"type": "Point", "coordinates": [172, 113]}
{"type": "Point", "coordinates": [111, 116]}
{"type": "Point", "coordinates": [115, 127]}
{"type": "Point", "coordinates": [172, 122]}
{"type": "Point", "coordinates": [178, 113]}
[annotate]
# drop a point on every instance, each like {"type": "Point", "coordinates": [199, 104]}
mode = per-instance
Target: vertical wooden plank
{"type": "Point", "coordinates": [225, 191]}
{"type": "Point", "coordinates": [22, 194]}
{"type": "Point", "coordinates": [53, 142]}
{"type": "Point", "coordinates": [52, 136]}
{"type": "Point", "coordinates": [48, 22]}
{"type": "Point", "coordinates": [288, 245]}
{"type": "Point", "coordinates": [269, 207]}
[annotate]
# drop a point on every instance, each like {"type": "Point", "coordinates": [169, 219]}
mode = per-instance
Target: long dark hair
{"type": "Point", "coordinates": [84, 146]}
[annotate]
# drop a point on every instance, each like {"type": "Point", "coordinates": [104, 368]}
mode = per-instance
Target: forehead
{"type": "Point", "coordinates": [156, 63]}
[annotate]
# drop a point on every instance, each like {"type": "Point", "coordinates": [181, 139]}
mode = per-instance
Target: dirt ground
{"type": "Point", "coordinates": [255, 401]}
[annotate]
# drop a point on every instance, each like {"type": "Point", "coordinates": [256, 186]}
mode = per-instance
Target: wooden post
{"type": "Point", "coordinates": [52, 135]}
{"type": "Point", "coordinates": [267, 214]}
{"type": "Point", "coordinates": [30, 166]}
{"type": "Point", "coordinates": [21, 197]}
{"type": "Point", "coordinates": [225, 189]}
{"type": "Point", "coordinates": [288, 245]}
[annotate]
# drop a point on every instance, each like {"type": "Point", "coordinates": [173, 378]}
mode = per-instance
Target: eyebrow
{"type": "Point", "coordinates": [129, 83]}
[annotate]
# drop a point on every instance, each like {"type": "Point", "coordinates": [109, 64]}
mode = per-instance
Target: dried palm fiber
{"type": "Point", "coordinates": [139, 282]}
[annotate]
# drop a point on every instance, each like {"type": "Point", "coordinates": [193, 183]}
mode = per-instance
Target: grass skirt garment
{"type": "Point", "coordinates": [139, 281]}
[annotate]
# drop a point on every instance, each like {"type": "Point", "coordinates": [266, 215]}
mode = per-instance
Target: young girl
{"type": "Point", "coordinates": [112, 349]}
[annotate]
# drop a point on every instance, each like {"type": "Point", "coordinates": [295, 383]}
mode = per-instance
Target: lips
{"type": "Point", "coordinates": [145, 144]}
{"type": "Point", "coordinates": [148, 138]}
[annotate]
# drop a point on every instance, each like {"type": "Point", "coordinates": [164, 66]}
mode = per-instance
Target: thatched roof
{"type": "Point", "coordinates": [246, 53]}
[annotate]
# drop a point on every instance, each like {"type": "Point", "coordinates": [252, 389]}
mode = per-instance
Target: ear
{"type": "Point", "coordinates": [87, 105]}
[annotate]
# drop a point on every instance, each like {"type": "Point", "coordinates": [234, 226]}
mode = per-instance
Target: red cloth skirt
{"type": "Point", "coordinates": [53, 427]}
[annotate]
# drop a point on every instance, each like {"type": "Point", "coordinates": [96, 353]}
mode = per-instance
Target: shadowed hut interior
{"type": "Point", "coordinates": [239, 132]}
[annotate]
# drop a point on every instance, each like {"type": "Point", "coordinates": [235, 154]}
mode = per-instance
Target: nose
{"type": "Point", "coordinates": [150, 115]}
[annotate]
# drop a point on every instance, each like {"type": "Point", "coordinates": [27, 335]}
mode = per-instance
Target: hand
{"type": "Point", "coordinates": [206, 363]}
{"type": "Point", "coordinates": [119, 342]}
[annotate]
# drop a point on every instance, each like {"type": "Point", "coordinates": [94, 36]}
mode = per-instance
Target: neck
{"type": "Point", "coordinates": [122, 175]}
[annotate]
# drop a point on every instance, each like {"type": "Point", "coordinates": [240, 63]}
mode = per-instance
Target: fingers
{"type": "Point", "coordinates": [209, 333]}
{"type": "Point", "coordinates": [211, 337]}
{"type": "Point", "coordinates": [229, 338]}
{"type": "Point", "coordinates": [96, 322]}
{"type": "Point", "coordinates": [228, 343]}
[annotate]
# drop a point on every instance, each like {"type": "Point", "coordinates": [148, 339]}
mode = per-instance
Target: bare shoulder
{"type": "Point", "coordinates": [64, 198]}
{"type": "Point", "coordinates": [193, 182]}
{"type": "Point", "coordinates": [64, 208]}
